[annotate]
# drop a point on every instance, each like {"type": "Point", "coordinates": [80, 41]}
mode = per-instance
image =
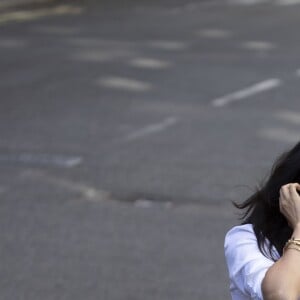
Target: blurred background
{"type": "Point", "coordinates": [126, 130]}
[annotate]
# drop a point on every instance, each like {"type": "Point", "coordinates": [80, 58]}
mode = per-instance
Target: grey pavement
{"type": "Point", "coordinates": [125, 133]}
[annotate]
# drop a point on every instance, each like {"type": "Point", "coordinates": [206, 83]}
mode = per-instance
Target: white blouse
{"type": "Point", "coordinates": [247, 266]}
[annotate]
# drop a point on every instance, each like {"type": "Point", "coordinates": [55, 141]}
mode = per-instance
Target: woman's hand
{"type": "Point", "coordinates": [282, 279]}
{"type": "Point", "coordinates": [289, 203]}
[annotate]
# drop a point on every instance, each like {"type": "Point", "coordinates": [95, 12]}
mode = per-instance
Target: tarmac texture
{"type": "Point", "coordinates": [126, 131]}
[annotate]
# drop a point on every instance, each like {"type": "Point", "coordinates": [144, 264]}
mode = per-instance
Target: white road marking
{"type": "Point", "coordinates": [150, 129]}
{"type": "Point", "coordinates": [258, 45]}
{"type": "Point", "coordinates": [146, 203]}
{"type": "Point", "coordinates": [143, 203]}
{"type": "Point", "coordinates": [42, 159]}
{"type": "Point", "coordinates": [298, 72]}
{"type": "Point", "coordinates": [28, 15]}
{"type": "Point", "coordinates": [280, 134]}
{"type": "Point", "coordinates": [88, 192]}
{"type": "Point", "coordinates": [149, 63]}
{"type": "Point", "coordinates": [289, 116]}
{"type": "Point", "coordinates": [214, 33]}
{"type": "Point", "coordinates": [247, 92]}
{"type": "Point", "coordinates": [122, 83]}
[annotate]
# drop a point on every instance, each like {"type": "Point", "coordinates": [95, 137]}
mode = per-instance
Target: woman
{"type": "Point", "coordinates": [263, 253]}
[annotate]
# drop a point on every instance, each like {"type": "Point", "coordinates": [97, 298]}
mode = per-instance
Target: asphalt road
{"type": "Point", "coordinates": [125, 132]}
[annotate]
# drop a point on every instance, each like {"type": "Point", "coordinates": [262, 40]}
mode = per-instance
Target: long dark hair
{"type": "Point", "coordinates": [262, 208]}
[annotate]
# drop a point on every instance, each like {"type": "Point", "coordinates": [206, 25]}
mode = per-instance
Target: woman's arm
{"type": "Point", "coordinates": [282, 280]}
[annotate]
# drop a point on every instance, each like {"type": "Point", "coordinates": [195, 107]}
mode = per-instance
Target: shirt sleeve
{"type": "Point", "coordinates": [247, 266]}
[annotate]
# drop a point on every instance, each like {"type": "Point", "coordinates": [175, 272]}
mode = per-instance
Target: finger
{"type": "Point", "coordinates": [285, 191]}
{"type": "Point", "coordinates": [281, 192]}
{"type": "Point", "coordinates": [293, 191]}
{"type": "Point", "coordinates": [294, 183]}
{"type": "Point", "coordinates": [291, 186]}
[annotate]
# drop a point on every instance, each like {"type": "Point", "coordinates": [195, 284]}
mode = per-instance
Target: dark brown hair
{"type": "Point", "coordinates": [262, 208]}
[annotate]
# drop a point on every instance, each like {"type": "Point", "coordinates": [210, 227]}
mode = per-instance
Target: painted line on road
{"type": "Point", "coordinates": [247, 92]}
{"type": "Point", "coordinates": [28, 15]}
{"type": "Point", "coordinates": [151, 129]}
{"type": "Point", "coordinates": [129, 84]}
{"type": "Point", "coordinates": [41, 159]}
{"type": "Point", "coordinates": [149, 63]}
{"type": "Point", "coordinates": [258, 45]}
{"type": "Point", "coordinates": [292, 117]}
{"type": "Point", "coordinates": [280, 134]}
{"type": "Point", "coordinates": [298, 72]}
{"type": "Point", "coordinates": [85, 191]}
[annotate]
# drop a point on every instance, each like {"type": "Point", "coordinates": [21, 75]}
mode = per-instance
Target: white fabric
{"type": "Point", "coordinates": [247, 266]}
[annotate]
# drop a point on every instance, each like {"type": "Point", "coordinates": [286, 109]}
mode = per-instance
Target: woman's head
{"type": "Point", "coordinates": [262, 208]}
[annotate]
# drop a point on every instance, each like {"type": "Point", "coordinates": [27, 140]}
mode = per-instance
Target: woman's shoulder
{"type": "Point", "coordinates": [245, 230]}
{"type": "Point", "coordinates": [240, 233]}
{"type": "Point", "coordinates": [240, 246]}
{"type": "Point", "coordinates": [246, 263]}
{"type": "Point", "coordinates": [240, 238]}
